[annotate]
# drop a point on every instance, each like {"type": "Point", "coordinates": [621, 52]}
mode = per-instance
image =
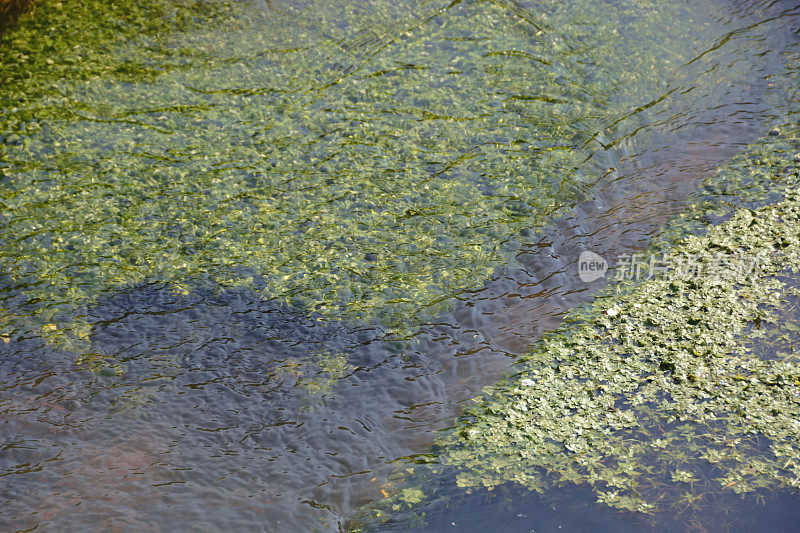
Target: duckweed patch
{"type": "Point", "coordinates": [667, 396]}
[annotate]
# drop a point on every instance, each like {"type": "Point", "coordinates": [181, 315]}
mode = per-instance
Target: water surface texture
{"type": "Point", "coordinates": [251, 263]}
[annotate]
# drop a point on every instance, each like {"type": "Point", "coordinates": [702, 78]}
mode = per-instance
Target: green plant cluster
{"type": "Point", "coordinates": [44, 56]}
{"type": "Point", "coordinates": [10, 10]}
{"type": "Point", "coordinates": [666, 395]}
{"type": "Point", "coordinates": [663, 395]}
{"type": "Point", "coordinates": [358, 165]}
{"type": "Point", "coordinates": [59, 43]}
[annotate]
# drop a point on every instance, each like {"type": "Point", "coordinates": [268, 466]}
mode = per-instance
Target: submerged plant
{"type": "Point", "coordinates": [365, 168]}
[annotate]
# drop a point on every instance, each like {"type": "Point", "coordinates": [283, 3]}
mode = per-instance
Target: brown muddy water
{"type": "Point", "coordinates": [217, 419]}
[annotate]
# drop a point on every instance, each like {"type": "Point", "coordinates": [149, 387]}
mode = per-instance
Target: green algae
{"type": "Point", "coordinates": [356, 165]}
{"type": "Point", "coordinates": [60, 42]}
{"type": "Point", "coordinates": [10, 10]}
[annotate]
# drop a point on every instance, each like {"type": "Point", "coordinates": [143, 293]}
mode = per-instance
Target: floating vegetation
{"type": "Point", "coordinates": [362, 166]}
{"type": "Point", "coordinates": [664, 394]}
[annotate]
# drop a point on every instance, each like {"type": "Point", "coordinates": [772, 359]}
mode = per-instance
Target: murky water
{"type": "Point", "coordinates": [241, 291]}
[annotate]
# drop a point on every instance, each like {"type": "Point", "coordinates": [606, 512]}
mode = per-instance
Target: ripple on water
{"type": "Point", "coordinates": [235, 408]}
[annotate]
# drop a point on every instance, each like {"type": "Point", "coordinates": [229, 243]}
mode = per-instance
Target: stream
{"type": "Point", "coordinates": [250, 266]}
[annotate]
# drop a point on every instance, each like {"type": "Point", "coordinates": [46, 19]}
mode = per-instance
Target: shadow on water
{"type": "Point", "coordinates": [240, 412]}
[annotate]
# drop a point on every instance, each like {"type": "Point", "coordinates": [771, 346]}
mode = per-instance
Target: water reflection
{"type": "Point", "coordinates": [226, 407]}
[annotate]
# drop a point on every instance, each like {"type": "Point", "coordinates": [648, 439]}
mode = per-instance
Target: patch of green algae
{"type": "Point", "coordinates": [10, 10]}
{"type": "Point", "coordinates": [666, 389]}
{"type": "Point", "coordinates": [352, 164]}
{"type": "Point", "coordinates": [43, 56]}
{"type": "Point", "coordinates": [60, 42]}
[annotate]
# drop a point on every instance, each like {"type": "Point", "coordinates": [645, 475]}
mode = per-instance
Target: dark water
{"type": "Point", "coordinates": [229, 408]}
{"type": "Point", "coordinates": [574, 509]}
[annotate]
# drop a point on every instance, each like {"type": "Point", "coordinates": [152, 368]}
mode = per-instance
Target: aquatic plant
{"type": "Point", "coordinates": [361, 166]}
{"type": "Point", "coordinates": [662, 395]}
{"type": "Point", "coordinates": [669, 391]}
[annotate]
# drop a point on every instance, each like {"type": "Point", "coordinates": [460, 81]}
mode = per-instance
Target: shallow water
{"type": "Point", "coordinates": [285, 404]}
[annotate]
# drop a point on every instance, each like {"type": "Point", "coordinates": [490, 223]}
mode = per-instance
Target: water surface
{"type": "Point", "coordinates": [242, 289]}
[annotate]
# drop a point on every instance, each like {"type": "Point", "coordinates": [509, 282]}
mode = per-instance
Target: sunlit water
{"type": "Point", "coordinates": [240, 406]}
